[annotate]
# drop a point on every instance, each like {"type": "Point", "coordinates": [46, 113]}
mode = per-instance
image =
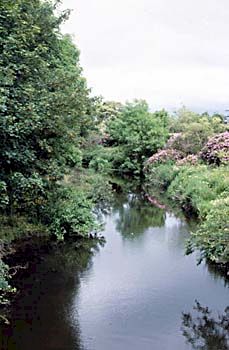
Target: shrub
{"type": "Point", "coordinates": [216, 151]}
{"type": "Point", "coordinates": [212, 238]}
{"type": "Point", "coordinates": [191, 159]}
{"type": "Point", "coordinates": [172, 139]}
{"type": "Point", "coordinates": [71, 215]}
{"type": "Point", "coordinates": [4, 199]}
{"type": "Point", "coordinates": [5, 288]}
{"type": "Point", "coordinates": [190, 141]}
{"type": "Point", "coordinates": [195, 186]}
{"type": "Point", "coordinates": [164, 156]}
{"type": "Point", "coordinates": [161, 175]}
{"type": "Point", "coordinates": [74, 210]}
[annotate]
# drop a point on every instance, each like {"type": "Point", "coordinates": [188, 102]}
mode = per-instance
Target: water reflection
{"type": "Point", "coordinates": [204, 331]}
{"type": "Point", "coordinates": [135, 215]}
{"type": "Point", "coordinates": [218, 273]}
{"type": "Point", "coordinates": [41, 314]}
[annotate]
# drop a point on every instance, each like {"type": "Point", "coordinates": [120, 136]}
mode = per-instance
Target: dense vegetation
{"type": "Point", "coordinates": [45, 115]}
{"type": "Point", "coordinates": [198, 179]}
{"type": "Point", "coordinates": [128, 137]}
{"type": "Point", "coordinates": [57, 143]}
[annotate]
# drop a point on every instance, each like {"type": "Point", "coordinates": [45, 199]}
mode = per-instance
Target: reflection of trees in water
{"type": "Point", "coordinates": [41, 316]}
{"type": "Point", "coordinates": [204, 331]}
{"type": "Point", "coordinates": [73, 257]}
{"type": "Point", "coordinates": [218, 272]}
{"type": "Point", "coordinates": [135, 215]}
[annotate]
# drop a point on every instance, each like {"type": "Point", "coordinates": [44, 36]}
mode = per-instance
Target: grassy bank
{"type": "Point", "coordinates": [202, 190]}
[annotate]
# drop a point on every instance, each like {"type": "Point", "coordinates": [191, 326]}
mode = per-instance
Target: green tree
{"type": "Point", "coordinates": [45, 112]}
{"type": "Point", "coordinates": [137, 134]}
{"type": "Point", "coordinates": [192, 130]}
{"type": "Point", "coordinates": [44, 102]}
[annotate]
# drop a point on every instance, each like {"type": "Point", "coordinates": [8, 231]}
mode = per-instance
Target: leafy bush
{"type": "Point", "coordinates": [195, 187]}
{"type": "Point", "coordinates": [164, 156]}
{"type": "Point", "coordinates": [160, 176]}
{"type": "Point", "coordinates": [216, 151]}
{"type": "Point", "coordinates": [191, 159]}
{"type": "Point", "coordinates": [4, 281]}
{"type": "Point", "coordinates": [212, 238]}
{"type": "Point", "coordinates": [71, 215]}
{"type": "Point", "coordinates": [5, 288]}
{"type": "Point", "coordinates": [100, 159]}
{"type": "Point", "coordinates": [4, 199]}
{"type": "Point", "coordinates": [74, 157]}
{"type": "Point", "coordinates": [160, 169]}
{"type": "Point", "coordinates": [74, 209]}
{"type": "Point", "coordinates": [138, 134]}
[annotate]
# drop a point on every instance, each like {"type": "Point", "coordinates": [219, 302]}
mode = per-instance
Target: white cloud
{"type": "Point", "coordinates": [166, 51]}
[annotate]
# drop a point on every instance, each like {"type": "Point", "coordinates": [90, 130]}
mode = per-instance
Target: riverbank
{"type": "Point", "coordinates": [201, 190]}
{"type": "Point", "coordinates": [22, 242]}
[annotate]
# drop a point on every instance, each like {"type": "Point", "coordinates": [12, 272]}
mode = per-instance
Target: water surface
{"type": "Point", "coordinates": [130, 294]}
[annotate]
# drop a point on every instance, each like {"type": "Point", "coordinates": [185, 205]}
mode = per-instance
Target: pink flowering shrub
{"type": "Point", "coordinates": [173, 139]}
{"type": "Point", "coordinates": [216, 150]}
{"type": "Point", "coordinates": [191, 159]}
{"type": "Point", "coordinates": [164, 156]}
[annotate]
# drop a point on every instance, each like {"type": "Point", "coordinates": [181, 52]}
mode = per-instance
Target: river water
{"type": "Point", "coordinates": [138, 291]}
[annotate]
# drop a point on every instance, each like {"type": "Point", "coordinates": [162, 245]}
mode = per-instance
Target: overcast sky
{"type": "Point", "coordinates": [169, 52]}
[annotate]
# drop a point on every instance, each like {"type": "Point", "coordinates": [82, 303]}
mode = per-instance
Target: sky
{"type": "Point", "coordinates": [168, 52]}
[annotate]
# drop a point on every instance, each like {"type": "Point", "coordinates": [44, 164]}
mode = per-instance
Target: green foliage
{"type": "Point", "coordinates": [98, 158]}
{"type": "Point", "coordinates": [71, 214]}
{"type": "Point", "coordinates": [212, 237]}
{"type": "Point", "coordinates": [160, 176]}
{"type": "Point", "coordinates": [44, 103]}
{"type": "Point", "coordinates": [184, 120]}
{"type": "Point", "coordinates": [48, 125]}
{"type": "Point", "coordinates": [45, 113]}
{"type": "Point", "coordinates": [4, 199]}
{"type": "Point", "coordinates": [4, 281]}
{"type": "Point", "coordinates": [74, 156]}
{"type": "Point", "coordinates": [107, 110]}
{"type": "Point", "coordinates": [20, 227]}
{"type": "Point", "coordinates": [95, 186]}
{"type": "Point", "coordinates": [193, 139]}
{"type": "Point", "coordinates": [74, 208]}
{"type": "Point", "coordinates": [137, 134]}
{"type": "Point", "coordinates": [193, 130]}
{"type": "Point", "coordinates": [5, 289]}
{"type": "Point", "coordinates": [195, 187]}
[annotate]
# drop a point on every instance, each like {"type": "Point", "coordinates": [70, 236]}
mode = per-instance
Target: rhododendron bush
{"type": "Point", "coordinates": [216, 151]}
{"type": "Point", "coordinates": [191, 159]}
{"type": "Point", "coordinates": [164, 156]}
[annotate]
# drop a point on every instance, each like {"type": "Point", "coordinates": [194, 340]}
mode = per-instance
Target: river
{"type": "Point", "coordinates": [138, 291]}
